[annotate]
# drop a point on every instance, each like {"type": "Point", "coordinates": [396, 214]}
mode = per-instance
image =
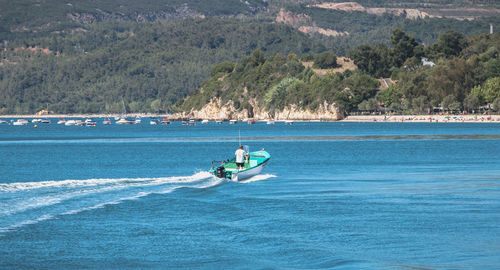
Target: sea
{"type": "Point", "coordinates": [335, 195]}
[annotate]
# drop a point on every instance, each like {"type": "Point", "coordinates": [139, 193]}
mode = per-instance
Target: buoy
{"type": "Point", "coordinates": [36, 126]}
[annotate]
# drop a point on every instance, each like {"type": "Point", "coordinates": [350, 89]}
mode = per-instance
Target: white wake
{"type": "Point", "coordinates": [27, 203]}
{"type": "Point", "coordinates": [258, 177]}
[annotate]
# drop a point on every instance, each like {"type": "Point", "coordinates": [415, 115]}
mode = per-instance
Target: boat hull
{"type": "Point", "coordinates": [245, 174]}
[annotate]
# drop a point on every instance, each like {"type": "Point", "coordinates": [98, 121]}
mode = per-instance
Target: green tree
{"type": "Point", "coordinates": [403, 47]}
{"type": "Point", "coordinates": [420, 105]}
{"type": "Point", "coordinates": [487, 92]}
{"type": "Point", "coordinates": [449, 44]}
{"type": "Point", "coordinates": [156, 105]}
{"type": "Point", "coordinates": [325, 60]}
{"type": "Point", "coordinates": [493, 68]}
{"type": "Point", "coordinates": [450, 103]}
{"type": "Point", "coordinates": [224, 67]}
{"type": "Point", "coordinates": [495, 105]}
{"type": "Point", "coordinates": [275, 97]}
{"type": "Point", "coordinates": [372, 60]}
{"type": "Point", "coordinates": [389, 96]}
{"type": "Point", "coordinates": [471, 102]}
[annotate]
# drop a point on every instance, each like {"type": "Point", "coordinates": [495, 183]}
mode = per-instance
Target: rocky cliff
{"type": "Point", "coordinates": [305, 24]}
{"type": "Point", "coordinates": [216, 110]}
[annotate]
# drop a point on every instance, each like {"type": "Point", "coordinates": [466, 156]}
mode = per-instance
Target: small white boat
{"type": "Point", "coordinates": [288, 122]}
{"type": "Point", "coordinates": [191, 122]}
{"type": "Point", "coordinates": [251, 121]}
{"type": "Point", "coordinates": [90, 123]}
{"type": "Point", "coordinates": [153, 122]}
{"type": "Point", "coordinates": [3, 122]}
{"type": "Point", "coordinates": [138, 120]}
{"type": "Point", "coordinates": [45, 121]}
{"type": "Point", "coordinates": [219, 122]}
{"type": "Point", "coordinates": [61, 121]}
{"type": "Point", "coordinates": [106, 122]}
{"type": "Point", "coordinates": [270, 122]}
{"type": "Point", "coordinates": [205, 121]}
{"type": "Point", "coordinates": [36, 120]}
{"type": "Point", "coordinates": [123, 121]}
{"type": "Point", "coordinates": [70, 123]}
{"type": "Point", "coordinates": [232, 121]}
{"type": "Point", "coordinates": [20, 122]}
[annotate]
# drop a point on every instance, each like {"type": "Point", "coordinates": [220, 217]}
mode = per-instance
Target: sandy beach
{"type": "Point", "coordinates": [424, 118]}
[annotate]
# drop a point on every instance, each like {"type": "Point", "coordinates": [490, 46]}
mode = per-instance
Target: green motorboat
{"type": "Point", "coordinates": [254, 164]}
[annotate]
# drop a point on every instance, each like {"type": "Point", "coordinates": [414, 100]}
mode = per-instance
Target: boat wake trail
{"type": "Point", "coordinates": [258, 177]}
{"type": "Point", "coordinates": [27, 203]}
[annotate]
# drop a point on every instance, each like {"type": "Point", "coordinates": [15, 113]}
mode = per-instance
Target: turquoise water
{"type": "Point", "coordinates": [334, 195]}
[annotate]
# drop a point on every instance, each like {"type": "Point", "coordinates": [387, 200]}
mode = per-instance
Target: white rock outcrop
{"type": "Point", "coordinates": [216, 110]}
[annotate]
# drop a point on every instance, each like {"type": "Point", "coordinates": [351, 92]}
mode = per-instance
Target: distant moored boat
{"type": "Point", "coordinates": [70, 123]}
{"type": "Point", "coordinates": [165, 121]}
{"type": "Point", "coordinates": [20, 122]}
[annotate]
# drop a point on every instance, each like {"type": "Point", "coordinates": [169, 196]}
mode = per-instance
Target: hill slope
{"type": "Point", "coordinates": [91, 70]}
{"type": "Point", "coordinates": [466, 76]}
{"type": "Point", "coordinates": [36, 15]}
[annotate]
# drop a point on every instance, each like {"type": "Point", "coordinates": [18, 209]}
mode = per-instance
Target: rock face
{"type": "Point", "coordinates": [215, 110]}
{"type": "Point", "coordinates": [304, 24]}
{"type": "Point", "coordinates": [323, 31]}
{"type": "Point", "coordinates": [288, 17]}
{"type": "Point", "coordinates": [353, 6]}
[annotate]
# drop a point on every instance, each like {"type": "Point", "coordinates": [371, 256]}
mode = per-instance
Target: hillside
{"type": "Point", "coordinates": [279, 86]}
{"type": "Point", "coordinates": [50, 15]}
{"type": "Point", "coordinates": [466, 76]}
{"type": "Point", "coordinates": [346, 25]}
{"type": "Point", "coordinates": [85, 56]}
{"type": "Point", "coordinates": [91, 70]}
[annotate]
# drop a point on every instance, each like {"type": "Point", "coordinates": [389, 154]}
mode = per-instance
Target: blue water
{"type": "Point", "coordinates": [334, 195]}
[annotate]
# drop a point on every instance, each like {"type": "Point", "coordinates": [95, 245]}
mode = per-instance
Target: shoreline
{"type": "Point", "coordinates": [460, 118]}
{"type": "Point", "coordinates": [351, 118]}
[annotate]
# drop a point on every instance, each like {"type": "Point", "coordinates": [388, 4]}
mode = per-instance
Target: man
{"type": "Point", "coordinates": [240, 157]}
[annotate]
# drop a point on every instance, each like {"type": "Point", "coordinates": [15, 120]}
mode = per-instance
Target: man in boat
{"type": "Point", "coordinates": [240, 157]}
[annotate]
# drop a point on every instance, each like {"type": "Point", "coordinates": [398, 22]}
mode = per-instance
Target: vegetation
{"type": "Point", "coordinates": [149, 65]}
{"type": "Point", "coordinates": [47, 15]}
{"type": "Point", "coordinates": [370, 29]}
{"type": "Point", "coordinates": [465, 77]}
{"type": "Point", "coordinates": [278, 81]}
{"type": "Point", "coordinates": [86, 56]}
{"type": "Point", "coordinates": [325, 60]}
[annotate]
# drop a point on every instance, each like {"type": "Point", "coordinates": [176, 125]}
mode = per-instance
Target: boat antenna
{"type": "Point", "coordinates": [124, 110]}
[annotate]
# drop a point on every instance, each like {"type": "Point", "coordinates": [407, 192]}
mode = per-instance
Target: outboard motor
{"type": "Point", "coordinates": [221, 172]}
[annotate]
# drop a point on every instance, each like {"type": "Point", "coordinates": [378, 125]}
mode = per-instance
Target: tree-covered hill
{"type": "Point", "coordinates": [465, 76]}
{"type": "Point", "coordinates": [38, 15]}
{"type": "Point", "coordinates": [84, 56]}
{"type": "Point", "coordinates": [92, 70]}
{"type": "Point", "coordinates": [275, 82]}
{"type": "Point", "coordinates": [369, 29]}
